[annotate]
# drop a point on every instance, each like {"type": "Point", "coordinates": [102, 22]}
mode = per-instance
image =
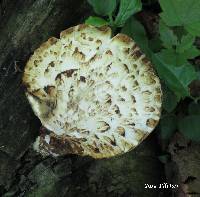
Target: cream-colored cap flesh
{"type": "Point", "coordinates": [96, 95]}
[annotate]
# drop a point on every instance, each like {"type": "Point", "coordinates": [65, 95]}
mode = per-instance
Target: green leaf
{"type": "Point", "coordinates": [155, 44]}
{"type": "Point", "coordinates": [167, 36]}
{"type": "Point", "coordinates": [135, 30]}
{"type": "Point", "coordinates": [176, 78]}
{"type": "Point", "coordinates": [170, 100]}
{"type": "Point", "coordinates": [180, 12]}
{"type": "Point", "coordinates": [96, 21]}
{"type": "Point", "coordinates": [170, 56]}
{"type": "Point", "coordinates": [193, 28]}
{"type": "Point", "coordinates": [179, 31]}
{"type": "Point", "coordinates": [178, 57]}
{"type": "Point", "coordinates": [191, 53]}
{"type": "Point", "coordinates": [186, 49]}
{"type": "Point", "coordinates": [103, 7]}
{"type": "Point", "coordinates": [168, 126]}
{"type": "Point", "coordinates": [189, 126]}
{"type": "Point", "coordinates": [194, 108]}
{"type": "Point", "coordinates": [126, 9]}
{"type": "Point", "coordinates": [186, 43]}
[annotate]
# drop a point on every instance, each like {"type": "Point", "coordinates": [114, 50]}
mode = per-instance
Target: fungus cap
{"type": "Point", "coordinates": [94, 95]}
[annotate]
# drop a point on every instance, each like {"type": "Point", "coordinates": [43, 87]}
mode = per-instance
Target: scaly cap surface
{"type": "Point", "coordinates": [95, 95]}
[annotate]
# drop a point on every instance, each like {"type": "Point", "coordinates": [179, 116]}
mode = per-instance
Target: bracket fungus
{"type": "Point", "coordinates": [95, 95]}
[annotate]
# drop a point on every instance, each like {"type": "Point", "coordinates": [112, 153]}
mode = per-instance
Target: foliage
{"type": "Point", "coordinates": [176, 78]}
{"type": "Point", "coordinates": [107, 7]}
{"type": "Point", "coordinates": [170, 100]}
{"type": "Point", "coordinates": [126, 9]}
{"type": "Point", "coordinates": [96, 20]}
{"type": "Point", "coordinates": [182, 13]}
{"type": "Point", "coordinates": [138, 34]}
{"type": "Point", "coordinates": [103, 7]}
{"type": "Point", "coordinates": [170, 51]}
{"type": "Point", "coordinates": [167, 126]}
{"type": "Point", "coordinates": [194, 108]}
{"type": "Point", "coordinates": [189, 126]}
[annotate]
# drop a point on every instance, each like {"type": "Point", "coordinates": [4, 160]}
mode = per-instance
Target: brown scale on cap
{"type": "Point", "coordinates": [92, 93]}
{"type": "Point", "coordinates": [121, 131]}
{"type": "Point", "coordinates": [109, 52]}
{"type": "Point", "coordinates": [123, 38]}
{"type": "Point", "coordinates": [151, 123]}
{"type": "Point", "coordinates": [66, 32]}
{"type": "Point", "coordinates": [78, 54]}
{"type": "Point", "coordinates": [67, 73]}
{"type": "Point", "coordinates": [50, 90]}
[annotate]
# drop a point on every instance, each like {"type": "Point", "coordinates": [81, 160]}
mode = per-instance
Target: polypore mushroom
{"type": "Point", "coordinates": [94, 95]}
